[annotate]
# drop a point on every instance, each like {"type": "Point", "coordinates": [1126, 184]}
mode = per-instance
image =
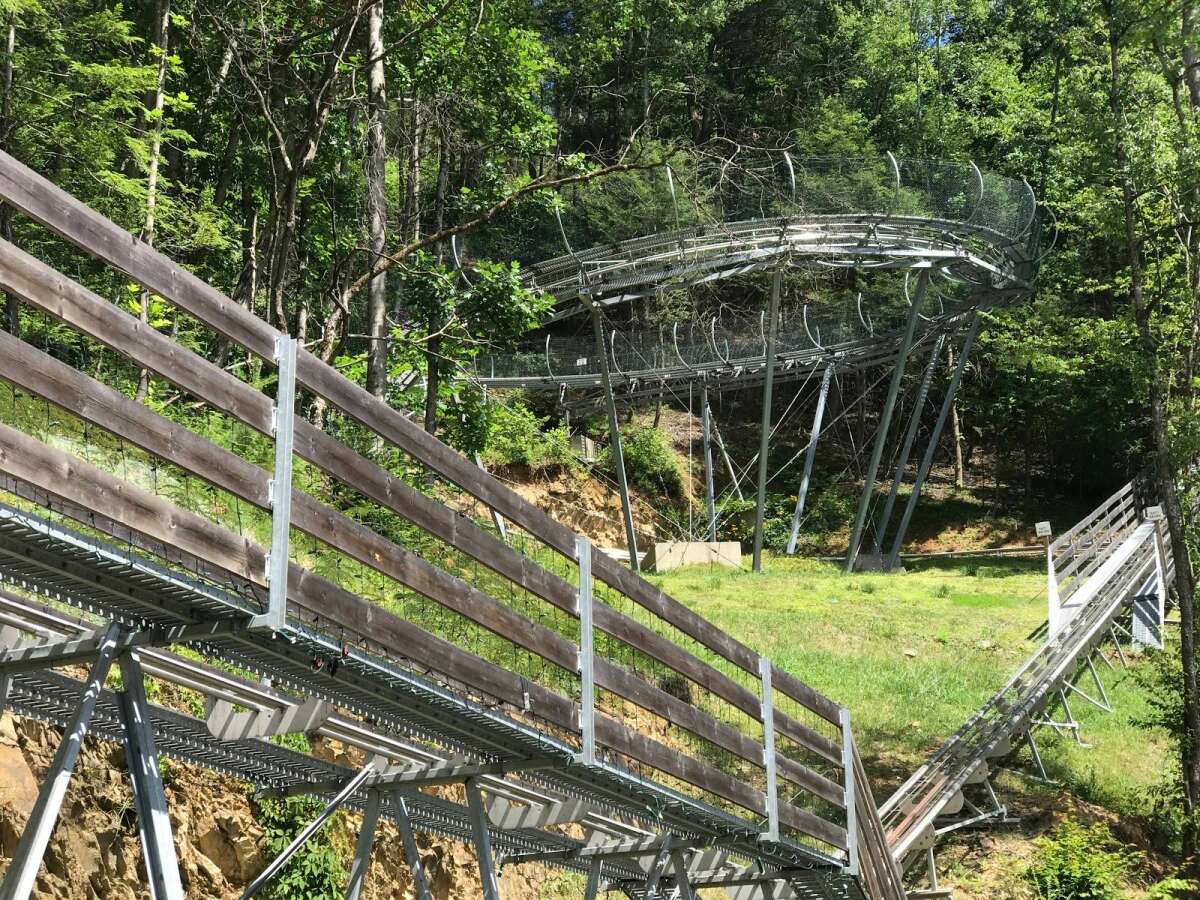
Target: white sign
{"type": "Point", "coordinates": [1043, 529]}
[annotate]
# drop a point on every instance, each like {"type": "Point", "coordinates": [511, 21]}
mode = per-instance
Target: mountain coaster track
{"type": "Point", "coordinates": [525, 674]}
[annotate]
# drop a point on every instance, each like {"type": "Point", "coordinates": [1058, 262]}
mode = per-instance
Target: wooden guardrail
{"type": "Point", "coordinates": [105, 500]}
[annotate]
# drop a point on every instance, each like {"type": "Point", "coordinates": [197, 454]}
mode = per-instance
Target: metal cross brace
{"type": "Point", "coordinates": [51, 656]}
{"type": "Point", "coordinates": [421, 777]}
{"type": "Point", "coordinates": [27, 858]}
{"type": "Point", "coordinates": [149, 798]}
{"type": "Point", "coordinates": [308, 831]}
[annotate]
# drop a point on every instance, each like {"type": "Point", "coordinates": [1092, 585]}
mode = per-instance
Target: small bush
{"type": "Point", "coordinates": [1079, 863]}
{"type": "Point", "coordinates": [651, 463]}
{"type": "Point", "coordinates": [317, 871]}
{"type": "Point", "coordinates": [518, 437]}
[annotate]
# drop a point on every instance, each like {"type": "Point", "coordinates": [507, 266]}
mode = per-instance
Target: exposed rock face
{"type": "Point", "coordinates": [95, 853]}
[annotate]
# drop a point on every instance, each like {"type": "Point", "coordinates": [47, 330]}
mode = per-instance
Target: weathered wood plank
{"type": "Point", "coordinates": [81, 395]}
{"type": "Point", "coordinates": [702, 775]}
{"type": "Point", "coordinates": [81, 483]}
{"type": "Point", "coordinates": [84, 485]}
{"type": "Point", "coordinates": [78, 307]}
{"type": "Point", "coordinates": [42, 375]}
{"type": "Point", "coordinates": [57, 210]}
{"type": "Point", "coordinates": [804, 695]}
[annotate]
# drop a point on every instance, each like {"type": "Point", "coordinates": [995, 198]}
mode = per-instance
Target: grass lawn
{"type": "Point", "coordinates": [914, 655]}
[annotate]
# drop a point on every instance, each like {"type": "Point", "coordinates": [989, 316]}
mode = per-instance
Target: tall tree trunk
{"type": "Point", "coordinates": [295, 161]}
{"type": "Point", "coordinates": [12, 307]}
{"type": "Point", "coordinates": [412, 182]}
{"type": "Point", "coordinates": [158, 40]}
{"type": "Point", "coordinates": [376, 168]}
{"type": "Point", "coordinates": [433, 348]}
{"type": "Point", "coordinates": [1164, 469]}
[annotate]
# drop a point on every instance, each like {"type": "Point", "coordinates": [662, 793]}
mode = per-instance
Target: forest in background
{"type": "Point", "coordinates": [314, 159]}
{"type": "Point", "coordinates": [279, 149]}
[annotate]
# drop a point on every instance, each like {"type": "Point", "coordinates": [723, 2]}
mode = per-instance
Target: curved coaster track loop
{"type": "Point", "coordinates": [969, 240]}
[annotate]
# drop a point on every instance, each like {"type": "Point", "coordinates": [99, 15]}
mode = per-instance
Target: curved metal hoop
{"type": "Point", "coordinates": [867, 322]}
{"type": "Point", "coordinates": [462, 272]}
{"type": "Point", "coordinates": [816, 341]}
{"type": "Point", "coordinates": [978, 203]}
{"type": "Point", "coordinates": [787, 158]}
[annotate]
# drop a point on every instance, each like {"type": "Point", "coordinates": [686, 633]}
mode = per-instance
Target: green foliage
{"type": "Point", "coordinates": [317, 871]}
{"type": "Point", "coordinates": [1173, 888]}
{"type": "Point", "coordinates": [1079, 863]}
{"type": "Point", "coordinates": [518, 437]}
{"type": "Point", "coordinates": [651, 463]}
{"type": "Point", "coordinates": [1161, 678]}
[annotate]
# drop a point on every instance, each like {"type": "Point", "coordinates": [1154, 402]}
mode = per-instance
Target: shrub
{"type": "Point", "coordinates": [516, 437]}
{"type": "Point", "coordinates": [1079, 863]}
{"type": "Point", "coordinates": [317, 870]}
{"type": "Point", "coordinates": [651, 463]}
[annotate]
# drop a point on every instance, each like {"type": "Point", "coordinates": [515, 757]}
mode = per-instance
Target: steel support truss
{"type": "Point", "coordinates": [149, 799]}
{"type": "Point", "coordinates": [515, 808]}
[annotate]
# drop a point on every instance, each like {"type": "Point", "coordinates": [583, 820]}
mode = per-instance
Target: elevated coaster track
{"type": "Point", "coordinates": [1108, 573]}
{"type": "Point", "coordinates": [976, 236]}
{"type": "Point", "coordinates": [969, 240]}
{"type": "Point", "coordinates": [530, 673]}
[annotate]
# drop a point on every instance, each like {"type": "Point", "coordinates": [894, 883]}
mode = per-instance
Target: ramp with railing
{"type": "Point", "coordinates": [551, 684]}
{"type": "Point", "coordinates": [1111, 567]}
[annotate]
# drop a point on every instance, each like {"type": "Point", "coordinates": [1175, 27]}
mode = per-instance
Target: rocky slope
{"type": "Point", "coordinates": [95, 853]}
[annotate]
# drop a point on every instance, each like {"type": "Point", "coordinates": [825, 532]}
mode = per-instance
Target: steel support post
{"type": "Point", "coordinates": [587, 676]}
{"type": "Point", "coordinates": [275, 618]}
{"type": "Point", "coordinates": [309, 830]}
{"type": "Point", "coordinates": [769, 762]}
{"type": "Point", "coordinates": [415, 864]}
{"type": "Point", "coordinates": [27, 858]}
{"type": "Point", "coordinates": [810, 455]}
{"type": "Point", "coordinates": [1120, 653]}
{"type": "Point", "coordinates": [885, 421]}
{"type": "Point", "coordinates": [733, 477]}
{"type": "Point", "coordinates": [1149, 611]}
{"type": "Point", "coordinates": [706, 430]}
{"type": "Point", "coordinates": [614, 438]}
{"type": "Point", "coordinates": [1099, 685]}
{"type": "Point", "coordinates": [910, 438]}
{"type": "Point", "coordinates": [851, 790]}
{"type": "Point", "coordinates": [1053, 600]}
{"type": "Point", "coordinates": [362, 847]}
{"type": "Point", "coordinates": [764, 441]}
{"type": "Point", "coordinates": [931, 869]}
{"type": "Point", "coordinates": [149, 798]}
{"type": "Point", "coordinates": [1074, 725]}
{"type": "Point", "coordinates": [683, 886]}
{"type": "Point", "coordinates": [930, 451]}
{"type": "Point", "coordinates": [593, 879]}
{"type": "Point", "coordinates": [483, 841]}
{"type": "Point", "coordinates": [1037, 756]}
